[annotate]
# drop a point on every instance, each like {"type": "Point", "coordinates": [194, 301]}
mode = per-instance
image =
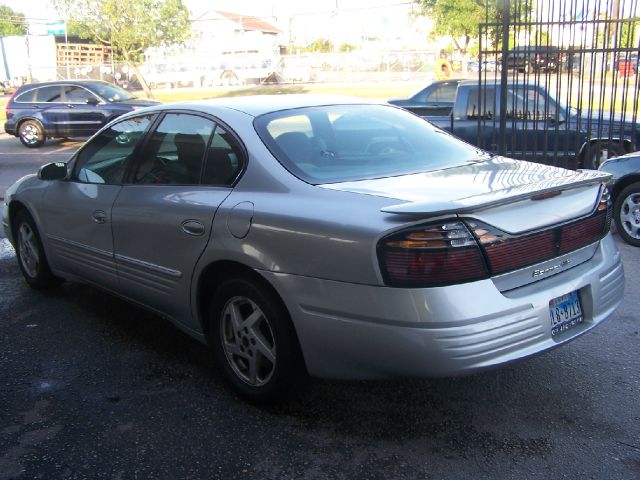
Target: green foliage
{"type": "Point", "coordinates": [129, 27]}
{"type": "Point", "coordinates": [11, 22]}
{"type": "Point", "coordinates": [347, 47]}
{"type": "Point", "coordinates": [461, 19]}
{"type": "Point", "coordinates": [628, 32]}
{"type": "Point", "coordinates": [320, 45]}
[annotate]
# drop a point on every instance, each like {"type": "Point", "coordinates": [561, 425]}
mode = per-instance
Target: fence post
{"type": "Point", "coordinates": [505, 5]}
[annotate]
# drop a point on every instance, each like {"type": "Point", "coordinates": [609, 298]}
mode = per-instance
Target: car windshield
{"type": "Point", "coordinates": [111, 92]}
{"type": "Point", "coordinates": [339, 143]}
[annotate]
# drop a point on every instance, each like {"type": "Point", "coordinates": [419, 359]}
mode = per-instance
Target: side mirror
{"type": "Point", "coordinates": [53, 171]}
{"type": "Point", "coordinates": [93, 101]}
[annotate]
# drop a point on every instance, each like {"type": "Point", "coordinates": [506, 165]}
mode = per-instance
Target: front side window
{"type": "Point", "coordinates": [529, 104]}
{"type": "Point", "coordinates": [111, 93]}
{"type": "Point", "coordinates": [73, 94]}
{"type": "Point", "coordinates": [481, 104]}
{"type": "Point", "coordinates": [340, 143]}
{"type": "Point", "coordinates": [103, 159]}
{"type": "Point", "coordinates": [175, 152]}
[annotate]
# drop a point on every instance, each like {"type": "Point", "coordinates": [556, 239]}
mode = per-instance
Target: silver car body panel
{"type": "Point", "coordinates": [357, 331]}
{"type": "Point", "coordinates": [316, 245]}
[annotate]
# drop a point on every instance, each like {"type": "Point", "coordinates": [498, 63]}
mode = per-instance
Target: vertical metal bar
{"type": "Point", "coordinates": [506, 9]}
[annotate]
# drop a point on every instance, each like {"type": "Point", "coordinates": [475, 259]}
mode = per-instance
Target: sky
{"type": "Point", "coordinates": [316, 19]}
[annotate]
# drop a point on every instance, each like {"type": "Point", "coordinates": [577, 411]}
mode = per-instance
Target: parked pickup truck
{"type": "Point", "coordinates": [538, 128]}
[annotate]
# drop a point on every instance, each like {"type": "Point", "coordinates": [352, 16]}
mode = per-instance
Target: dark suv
{"type": "Point", "coordinates": [535, 58]}
{"type": "Point", "coordinates": [66, 108]}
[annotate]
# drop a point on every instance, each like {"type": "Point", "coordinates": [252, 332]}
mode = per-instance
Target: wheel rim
{"type": "Point", "coordinates": [28, 249]}
{"type": "Point", "coordinates": [30, 134]}
{"type": "Point", "coordinates": [248, 341]}
{"type": "Point", "coordinates": [630, 215]}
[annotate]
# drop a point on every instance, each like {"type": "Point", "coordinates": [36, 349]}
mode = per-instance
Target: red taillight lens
{"type": "Point", "coordinates": [431, 256]}
{"type": "Point", "coordinates": [7, 110]}
{"type": "Point", "coordinates": [506, 252]}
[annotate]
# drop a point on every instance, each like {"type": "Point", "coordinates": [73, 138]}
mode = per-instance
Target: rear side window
{"type": "Point", "coordinates": [26, 97]}
{"type": "Point", "coordinates": [49, 94]}
{"type": "Point", "coordinates": [445, 93]}
{"type": "Point", "coordinates": [224, 159]}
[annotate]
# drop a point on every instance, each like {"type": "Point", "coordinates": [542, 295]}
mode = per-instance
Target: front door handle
{"type": "Point", "coordinates": [193, 228]}
{"type": "Point", "coordinates": [99, 216]}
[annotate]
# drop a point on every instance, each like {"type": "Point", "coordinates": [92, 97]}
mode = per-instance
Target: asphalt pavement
{"type": "Point", "coordinates": [92, 387]}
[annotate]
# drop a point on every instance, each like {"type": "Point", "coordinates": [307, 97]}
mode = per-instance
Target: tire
{"type": "Point", "coordinates": [31, 134]}
{"type": "Point", "coordinates": [626, 212]}
{"type": "Point", "coordinates": [31, 257]}
{"type": "Point", "coordinates": [597, 153]}
{"type": "Point", "coordinates": [261, 360]}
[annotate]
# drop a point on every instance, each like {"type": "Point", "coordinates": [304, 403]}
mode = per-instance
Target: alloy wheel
{"type": "Point", "coordinates": [248, 341]}
{"type": "Point", "coordinates": [30, 134]}
{"type": "Point", "coordinates": [630, 215]}
{"type": "Point", "coordinates": [28, 248]}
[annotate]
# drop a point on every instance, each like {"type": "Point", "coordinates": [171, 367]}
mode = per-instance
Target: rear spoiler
{"type": "Point", "coordinates": [534, 191]}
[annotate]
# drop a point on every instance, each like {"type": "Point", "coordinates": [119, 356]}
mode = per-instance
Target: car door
{"type": "Point", "coordinates": [163, 217]}
{"type": "Point", "coordinates": [536, 128]}
{"type": "Point", "coordinates": [49, 106]}
{"type": "Point", "coordinates": [478, 124]}
{"type": "Point", "coordinates": [435, 102]}
{"type": "Point", "coordinates": [86, 112]}
{"type": "Point", "coordinates": [77, 211]}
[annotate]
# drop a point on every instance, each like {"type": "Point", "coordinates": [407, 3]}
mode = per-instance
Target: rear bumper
{"type": "Point", "coordinates": [360, 331]}
{"type": "Point", "coordinates": [10, 128]}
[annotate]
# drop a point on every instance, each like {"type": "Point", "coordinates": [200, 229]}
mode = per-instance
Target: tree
{"type": "Point", "coordinates": [129, 27]}
{"type": "Point", "coordinates": [11, 22]}
{"type": "Point", "coordinates": [458, 18]}
{"type": "Point", "coordinates": [461, 19]}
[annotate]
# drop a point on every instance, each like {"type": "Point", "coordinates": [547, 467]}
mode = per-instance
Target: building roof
{"type": "Point", "coordinates": [250, 23]}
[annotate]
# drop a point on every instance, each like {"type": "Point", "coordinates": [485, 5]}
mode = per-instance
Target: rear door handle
{"type": "Point", "coordinates": [194, 228]}
{"type": "Point", "coordinates": [99, 216]}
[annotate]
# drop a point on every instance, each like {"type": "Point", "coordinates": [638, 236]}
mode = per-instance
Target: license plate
{"type": "Point", "coordinates": [565, 313]}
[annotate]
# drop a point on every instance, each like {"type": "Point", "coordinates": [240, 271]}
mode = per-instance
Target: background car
{"type": "Point", "coordinates": [436, 99]}
{"type": "Point", "coordinates": [535, 58]}
{"type": "Point", "coordinates": [625, 193]}
{"type": "Point", "coordinates": [327, 235]}
{"type": "Point", "coordinates": [37, 111]}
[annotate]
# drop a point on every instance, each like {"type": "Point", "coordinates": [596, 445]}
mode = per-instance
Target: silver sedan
{"type": "Point", "coordinates": [323, 235]}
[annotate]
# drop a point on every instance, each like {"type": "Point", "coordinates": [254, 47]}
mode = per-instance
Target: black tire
{"type": "Point", "coordinates": [31, 134]}
{"type": "Point", "coordinates": [262, 360]}
{"type": "Point", "coordinates": [597, 153]}
{"type": "Point", "coordinates": [31, 257]}
{"type": "Point", "coordinates": [626, 212]}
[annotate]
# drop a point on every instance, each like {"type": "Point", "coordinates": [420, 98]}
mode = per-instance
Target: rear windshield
{"type": "Point", "coordinates": [339, 143]}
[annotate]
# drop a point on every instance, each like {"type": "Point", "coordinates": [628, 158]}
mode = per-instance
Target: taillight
{"type": "Point", "coordinates": [432, 255]}
{"type": "Point", "coordinates": [506, 252]}
{"type": "Point", "coordinates": [7, 110]}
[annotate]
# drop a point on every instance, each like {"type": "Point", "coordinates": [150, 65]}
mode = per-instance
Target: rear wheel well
{"type": "Point", "coordinates": [213, 276]}
{"type": "Point", "coordinates": [624, 183]}
{"type": "Point", "coordinates": [26, 119]}
{"type": "Point", "coordinates": [587, 150]}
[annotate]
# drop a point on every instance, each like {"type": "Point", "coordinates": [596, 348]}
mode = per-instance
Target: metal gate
{"type": "Point", "coordinates": [558, 80]}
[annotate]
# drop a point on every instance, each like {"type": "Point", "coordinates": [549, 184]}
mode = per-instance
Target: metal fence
{"type": "Point", "coordinates": [559, 80]}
